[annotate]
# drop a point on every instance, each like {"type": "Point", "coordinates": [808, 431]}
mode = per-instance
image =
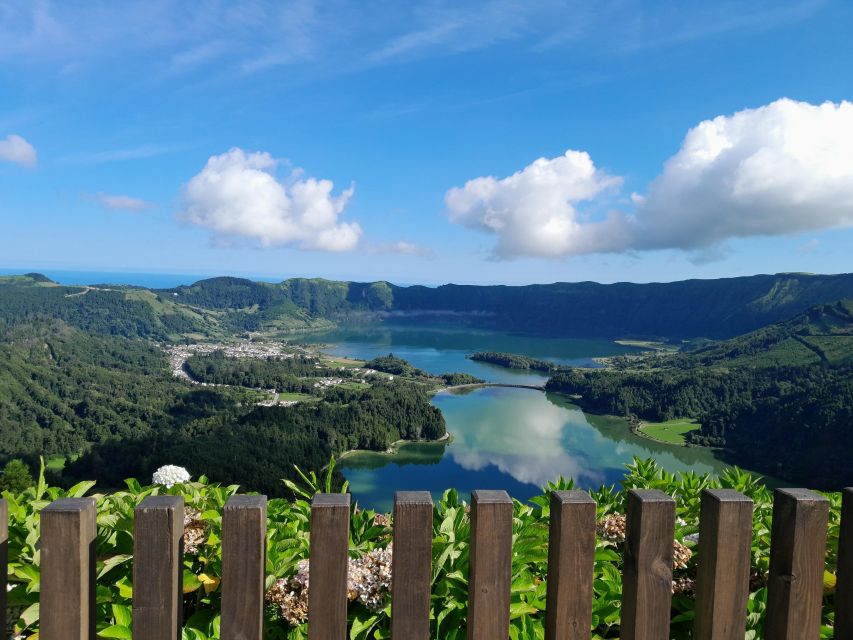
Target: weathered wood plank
{"type": "Point", "coordinates": [327, 596]}
{"type": "Point", "coordinates": [244, 546]}
{"type": "Point", "coordinates": [725, 555]}
{"type": "Point", "coordinates": [411, 565]}
{"type": "Point", "coordinates": [490, 565]}
{"type": "Point", "coordinates": [571, 560]}
{"type": "Point", "coordinates": [158, 529]}
{"type": "Point", "coordinates": [647, 575]}
{"type": "Point", "coordinates": [4, 551]}
{"type": "Point", "coordinates": [844, 584]}
{"type": "Point", "coordinates": [797, 550]}
{"type": "Point", "coordinates": [68, 529]}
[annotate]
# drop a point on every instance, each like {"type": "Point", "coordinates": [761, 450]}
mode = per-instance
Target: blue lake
{"type": "Point", "coordinates": [503, 438]}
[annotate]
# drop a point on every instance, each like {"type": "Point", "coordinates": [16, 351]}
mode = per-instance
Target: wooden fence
{"type": "Point", "coordinates": [795, 583]}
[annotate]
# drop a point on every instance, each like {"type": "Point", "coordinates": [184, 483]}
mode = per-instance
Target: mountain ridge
{"type": "Point", "coordinates": [714, 308]}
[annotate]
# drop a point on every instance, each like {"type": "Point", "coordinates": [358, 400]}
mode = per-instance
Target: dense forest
{"type": "Point", "coordinates": [515, 361]}
{"type": "Point", "coordinates": [86, 382]}
{"type": "Point", "coordinates": [282, 374]}
{"type": "Point", "coordinates": [258, 447]}
{"type": "Point", "coordinates": [83, 373]}
{"type": "Point", "coordinates": [395, 366]}
{"type": "Point", "coordinates": [222, 306]}
{"type": "Point", "coordinates": [779, 399]}
{"type": "Point", "coordinates": [688, 309]}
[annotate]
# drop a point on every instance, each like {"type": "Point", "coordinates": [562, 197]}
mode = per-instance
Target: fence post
{"type": "Point", "coordinates": [244, 546]}
{"type": "Point", "coordinates": [844, 574]}
{"type": "Point", "coordinates": [490, 565]}
{"type": "Point", "coordinates": [4, 552]}
{"type": "Point", "coordinates": [158, 530]}
{"type": "Point", "coordinates": [571, 561]}
{"type": "Point", "coordinates": [725, 557]}
{"type": "Point", "coordinates": [797, 550]}
{"type": "Point", "coordinates": [647, 574]}
{"type": "Point", "coordinates": [329, 553]}
{"type": "Point", "coordinates": [411, 565]}
{"type": "Point", "coordinates": [68, 529]}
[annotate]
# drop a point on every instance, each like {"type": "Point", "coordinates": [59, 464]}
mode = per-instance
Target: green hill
{"type": "Point", "coordinates": [821, 334]}
{"type": "Point", "coordinates": [719, 308]}
{"type": "Point", "coordinates": [688, 309]}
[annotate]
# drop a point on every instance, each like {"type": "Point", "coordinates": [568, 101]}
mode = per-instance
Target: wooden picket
{"type": "Point", "coordinates": [795, 582]}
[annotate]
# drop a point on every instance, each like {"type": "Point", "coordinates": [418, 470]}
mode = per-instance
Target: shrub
{"type": "Point", "coordinates": [287, 545]}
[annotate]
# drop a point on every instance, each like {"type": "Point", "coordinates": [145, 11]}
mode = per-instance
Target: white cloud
{"type": "Point", "coordinates": [237, 194]}
{"type": "Point", "coordinates": [784, 168]}
{"type": "Point", "coordinates": [121, 203]}
{"type": "Point", "coordinates": [16, 150]}
{"type": "Point", "coordinates": [781, 169]}
{"type": "Point", "coordinates": [534, 211]}
{"type": "Point", "coordinates": [404, 248]}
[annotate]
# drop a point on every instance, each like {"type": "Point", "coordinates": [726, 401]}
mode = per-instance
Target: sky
{"type": "Point", "coordinates": [473, 142]}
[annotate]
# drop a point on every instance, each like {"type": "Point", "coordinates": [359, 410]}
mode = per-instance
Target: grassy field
{"type": "Point", "coordinates": [56, 463]}
{"type": "Point", "coordinates": [341, 362]}
{"type": "Point", "coordinates": [295, 397]}
{"type": "Point", "coordinates": [671, 431]}
{"type": "Point", "coordinates": [354, 384]}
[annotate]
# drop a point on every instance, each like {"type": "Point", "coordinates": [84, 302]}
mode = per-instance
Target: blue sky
{"type": "Point", "coordinates": [201, 137]}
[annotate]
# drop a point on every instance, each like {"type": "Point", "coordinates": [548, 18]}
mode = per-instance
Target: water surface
{"type": "Point", "coordinates": [516, 440]}
{"type": "Point", "coordinates": [442, 349]}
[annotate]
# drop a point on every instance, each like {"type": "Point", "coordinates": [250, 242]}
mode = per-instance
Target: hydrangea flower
{"type": "Point", "coordinates": [170, 475]}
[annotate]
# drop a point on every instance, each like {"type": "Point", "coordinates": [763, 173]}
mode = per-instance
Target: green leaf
{"type": "Point", "coordinates": [116, 631]}
{"type": "Point", "coordinates": [123, 615]}
{"type": "Point", "coordinates": [80, 489]}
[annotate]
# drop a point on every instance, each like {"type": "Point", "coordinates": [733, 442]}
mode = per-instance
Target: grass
{"type": "Point", "coordinates": [650, 345]}
{"type": "Point", "coordinates": [55, 463]}
{"type": "Point", "coordinates": [341, 362]}
{"type": "Point", "coordinates": [671, 431]}
{"type": "Point", "coordinates": [295, 397]}
{"type": "Point", "coordinates": [351, 384]}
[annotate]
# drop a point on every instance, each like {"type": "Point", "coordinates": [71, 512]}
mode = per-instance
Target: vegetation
{"type": "Point", "coordinates": [396, 366]}
{"type": "Point", "coordinates": [287, 545]}
{"type": "Point", "coordinates": [456, 379]}
{"type": "Point", "coordinates": [284, 374]}
{"type": "Point", "coordinates": [671, 431]}
{"type": "Point", "coordinates": [257, 446]}
{"type": "Point", "coordinates": [775, 405]}
{"type": "Point", "coordinates": [16, 476]}
{"type": "Point", "coordinates": [711, 308]}
{"type": "Point", "coordinates": [111, 405]}
{"type": "Point", "coordinates": [127, 312]}
{"type": "Point", "coordinates": [515, 361]}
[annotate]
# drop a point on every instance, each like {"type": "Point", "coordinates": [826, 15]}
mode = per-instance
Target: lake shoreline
{"type": "Point", "coordinates": [394, 448]}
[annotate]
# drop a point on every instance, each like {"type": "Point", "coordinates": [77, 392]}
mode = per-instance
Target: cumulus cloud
{"type": "Point", "coordinates": [535, 210]}
{"type": "Point", "coordinates": [781, 169]}
{"type": "Point", "coordinates": [16, 150]}
{"type": "Point", "coordinates": [784, 168]}
{"type": "Point", "coordinates": [404, 248]}
{"type": "Point", "coordinates": [121, 203]}
{"type": "Point", "coordinates": [238, 195]}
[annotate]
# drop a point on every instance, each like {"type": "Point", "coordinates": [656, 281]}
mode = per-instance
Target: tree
{"type": "Point", "coordinates": [16, 476]}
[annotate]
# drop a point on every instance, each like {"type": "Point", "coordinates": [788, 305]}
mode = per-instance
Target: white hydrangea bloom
{"type": "Point", "coordinates": [170, 475]}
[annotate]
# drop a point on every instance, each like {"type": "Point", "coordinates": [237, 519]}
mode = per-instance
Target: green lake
{"type": "Point", "coordinates": [503, 438]}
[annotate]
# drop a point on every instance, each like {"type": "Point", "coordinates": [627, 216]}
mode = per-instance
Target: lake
{"type": "Point", "coordinates": [442, 349]}
{"type": "Point", "coordinates": [503, 438]}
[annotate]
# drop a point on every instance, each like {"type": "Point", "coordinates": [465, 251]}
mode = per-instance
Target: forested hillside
{"type": "Point", "coordinates": [779, 399]}
{"type": "Point", "coordinates": [687, 309]}
{"type": "Point", "coordinates": [111, 404]}
{"type": "Point", "coordinates": [222, 306]}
